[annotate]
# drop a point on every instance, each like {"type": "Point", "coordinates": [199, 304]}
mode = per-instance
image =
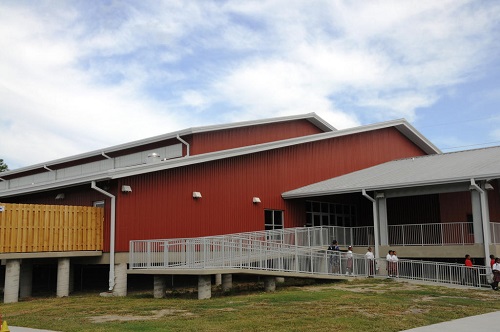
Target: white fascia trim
{"type": "Point", "coordinates": [53, 185]}
{"type": "Point", "coordinates": [358, 189]}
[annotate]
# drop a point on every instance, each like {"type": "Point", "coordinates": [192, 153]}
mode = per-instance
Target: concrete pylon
{"type": "Point", "coordinates": [12, 273]}
{"type": "Point", "coordinates": [120, 288]}
{"type": "Point", "coordinates": [204, 287]}
{"type": "Point", "coordinates": [63, 267]}
{"type": "Point", "coordinates": [269, 284]}
{"type": "Point", "coordinates": [159, 287]}
{"type": "Point", "coordinates": [227, 282]}
{"type": "Point", "coordinates": [26, 279]}
{"type": "Point", "coordinates": [218, 279]}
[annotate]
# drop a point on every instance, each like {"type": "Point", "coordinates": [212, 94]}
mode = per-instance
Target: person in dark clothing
{"type": "Point", "coordinates": [334, 254]}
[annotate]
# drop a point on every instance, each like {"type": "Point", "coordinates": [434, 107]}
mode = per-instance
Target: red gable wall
{"type": "Point", "coordinates": [251, 135]}
{"type": "Point", "coordinates": [161, 204]}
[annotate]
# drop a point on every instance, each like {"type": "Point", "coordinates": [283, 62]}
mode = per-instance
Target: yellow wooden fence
{"type": "Point", "coordinates": [44, 228]}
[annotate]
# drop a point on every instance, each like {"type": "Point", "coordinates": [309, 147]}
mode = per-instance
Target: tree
{"type": "Point", "coordinates": [3, 166]}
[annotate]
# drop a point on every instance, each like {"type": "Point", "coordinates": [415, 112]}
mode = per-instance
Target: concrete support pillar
{"type": "Point", "coordinates": [269, 284]}
{"type": "Point", "coordinates": [120, 288]}
{"type": "Point", "coordinates": [281, 280]}
{"type": "Point", "coordinates": [204, 287]}
{"type": "Point", "coordinates": [26, 279]}
{"type": "Point", "coordinates": [383, 222]}
{"type": "Point", "coordinates": [63, 267]}
{"type": "Point", "coordinates": [477, 220]}
{"type": "Point", "coordinates": [227, 282]}
{"type": "Point", "coordinates": [12, 273]}
{"type": "Point", "coordinates": [160, 287]}
{"type": "Point", "coordinates": [218, 279]}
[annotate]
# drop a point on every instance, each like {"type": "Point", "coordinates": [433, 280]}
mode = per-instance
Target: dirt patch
{"type": "Point", "coordinates": [156, 314]}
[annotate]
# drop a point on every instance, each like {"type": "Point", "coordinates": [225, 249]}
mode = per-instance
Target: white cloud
{"type": "Point", "coordinates": [87, 77]}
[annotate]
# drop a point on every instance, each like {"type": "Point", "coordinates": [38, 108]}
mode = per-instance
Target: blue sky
{"type": "Point", "coordinates": [77, 76]}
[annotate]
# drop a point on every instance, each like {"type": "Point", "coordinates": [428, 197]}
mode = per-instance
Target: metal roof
{"type": "Point", "coordinates": [402, 125]}
{"type": "Point", "coordinates": [453, 167]}
{"type": "Point", "coordinates": [311, 117]}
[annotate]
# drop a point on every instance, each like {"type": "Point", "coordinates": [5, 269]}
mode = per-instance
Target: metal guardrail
{"type": "Point", "coordinates": [273, 254]}
{"type": "Point", "coordinates": [436, 234]}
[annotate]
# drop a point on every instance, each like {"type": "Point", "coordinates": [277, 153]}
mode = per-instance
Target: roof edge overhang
{"type": "Point", "coordinates": [217, 155]}
{"type": "Point", "coordinates": [311, 117]}
{"type": "Point", "coordinates": [358, 189]}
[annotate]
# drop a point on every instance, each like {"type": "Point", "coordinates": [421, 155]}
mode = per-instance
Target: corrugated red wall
{"type": "Point", "coordinates": [251, 135]}
{"type": "Point", "coordinates": [161, 203]}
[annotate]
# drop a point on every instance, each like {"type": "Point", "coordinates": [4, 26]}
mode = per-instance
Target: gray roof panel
{"type": "Point", "coordinates": [479, 164]}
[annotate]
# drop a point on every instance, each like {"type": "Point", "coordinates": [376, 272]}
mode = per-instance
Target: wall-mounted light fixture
{"type": "Point", "coordinates": [126, 189]}
{"type": "Point", "coordinates": [196, 194]}
{"type": "Point", "coordinates": [256, 200]}
{"type": "Point", "coordinates": [379, 195]}
{"type": "Point", "coordinates": [488, 186]}
{"type": "Point", "coordinates": [60, 196]}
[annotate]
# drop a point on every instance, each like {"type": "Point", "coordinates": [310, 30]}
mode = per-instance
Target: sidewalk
{"type": "Point", "coordinates": [480, 323]}
{"type": "Point", "coordinates": [25, 329]}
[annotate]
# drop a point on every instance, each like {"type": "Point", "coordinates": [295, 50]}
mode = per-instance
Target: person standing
{"type": "Point", "coordinates": [388, 259]}
{"type": "Point", "coordinates": [349, 261]}
{"type": "Point", "coordinates": [468, 270]}
{"type": "Point", "coordinates": [334, 253]}
{"type": "Point", "coordinates": [395, 264]}
{"type": "Point", "coordinates": [370, 262]}
{"type": "Point", "coordinates": [496, 274]}
{"type": "Point", "coordinates": [492, 261]}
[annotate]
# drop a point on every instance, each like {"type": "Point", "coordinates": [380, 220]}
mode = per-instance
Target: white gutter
{"type": "Point", "coordinates": [105, 155]}
{"type": "Point", "coordinates": [111, 235]}
{"type": "Point", "coordinates": [184, 142]}
{"type": "Point", "coordinates": [48, 169]}
{"type": "Point", "coordinates": [485, 221]}
{"type": "Point", "coordinates": [375, 222]}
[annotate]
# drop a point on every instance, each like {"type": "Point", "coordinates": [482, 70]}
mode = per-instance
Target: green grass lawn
{"type": "Point", "coordinates": [358, 305]}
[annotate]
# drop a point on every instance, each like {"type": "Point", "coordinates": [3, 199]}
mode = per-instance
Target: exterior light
{"type": "Point", "coordinates": [196, 194]}
{"type": "Point", "coordinates": [126, 189]}
{"type": "Point", "coordinates": [256, 200]}
{"type": "Point", "coordinates": [60, 196]}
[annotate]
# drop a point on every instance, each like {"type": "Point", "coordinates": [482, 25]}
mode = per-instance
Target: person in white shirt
{"type": "Point", "coordinates": [496, 274]}
{"type": "Point", "coordinates": [370, 262]}
{"type": "Point", "coordinates": [395, 260]}
{"type": "Point", "coordinates": [388, 259]}
{"type": "Point", "coordinates": [349, 261]}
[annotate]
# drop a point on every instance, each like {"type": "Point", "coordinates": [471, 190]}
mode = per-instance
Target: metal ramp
{"type": "Point", "coordinates": [292, 252]}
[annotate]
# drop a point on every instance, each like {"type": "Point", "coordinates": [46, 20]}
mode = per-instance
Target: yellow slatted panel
{"type": "Point", "coordinates": [42, 228]}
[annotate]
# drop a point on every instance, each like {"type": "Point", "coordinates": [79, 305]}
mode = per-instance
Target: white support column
{"type": "Point", "coordinates": [204, 287]}
{"type": "Point", "coordinates": [269, 284]}
{"type": "Point", "coordinates": [120, 288]}
{"type": "Point", "coordinates": [26, 279]}
{"type": "Point", "coordinates": [383, 223]}
{"type": "Point", "coordinates": [63, 267]}
{"type": "Point", "coordinates": [160, 286]}
{"type": "Point", "coordinates": [485, 218]}
{"type": "Point", "coordinates": [227, 282]}
{"type": "Point", "coordinates": [11, 289]}
{"type": "Point", "coordinates": [477, 220]}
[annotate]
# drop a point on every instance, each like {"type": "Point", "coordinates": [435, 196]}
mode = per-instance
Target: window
{"type": "Point", "coordinates": [273, 219]}
{"type": "Point", "coordinates": [330, 214]}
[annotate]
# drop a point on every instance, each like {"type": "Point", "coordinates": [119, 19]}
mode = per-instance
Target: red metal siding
{"type": "Point", "coordinates": [456, 206]}
{"type": "Point", "coordinates": [251, 135]}
{"type": "Point", "coordinates": [161, 203]}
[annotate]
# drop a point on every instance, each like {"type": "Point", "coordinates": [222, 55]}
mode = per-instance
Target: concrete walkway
{"type": "Point", "coordinates": [25, 329]}
{"type": "Point", "coordinates": [480, 323]}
